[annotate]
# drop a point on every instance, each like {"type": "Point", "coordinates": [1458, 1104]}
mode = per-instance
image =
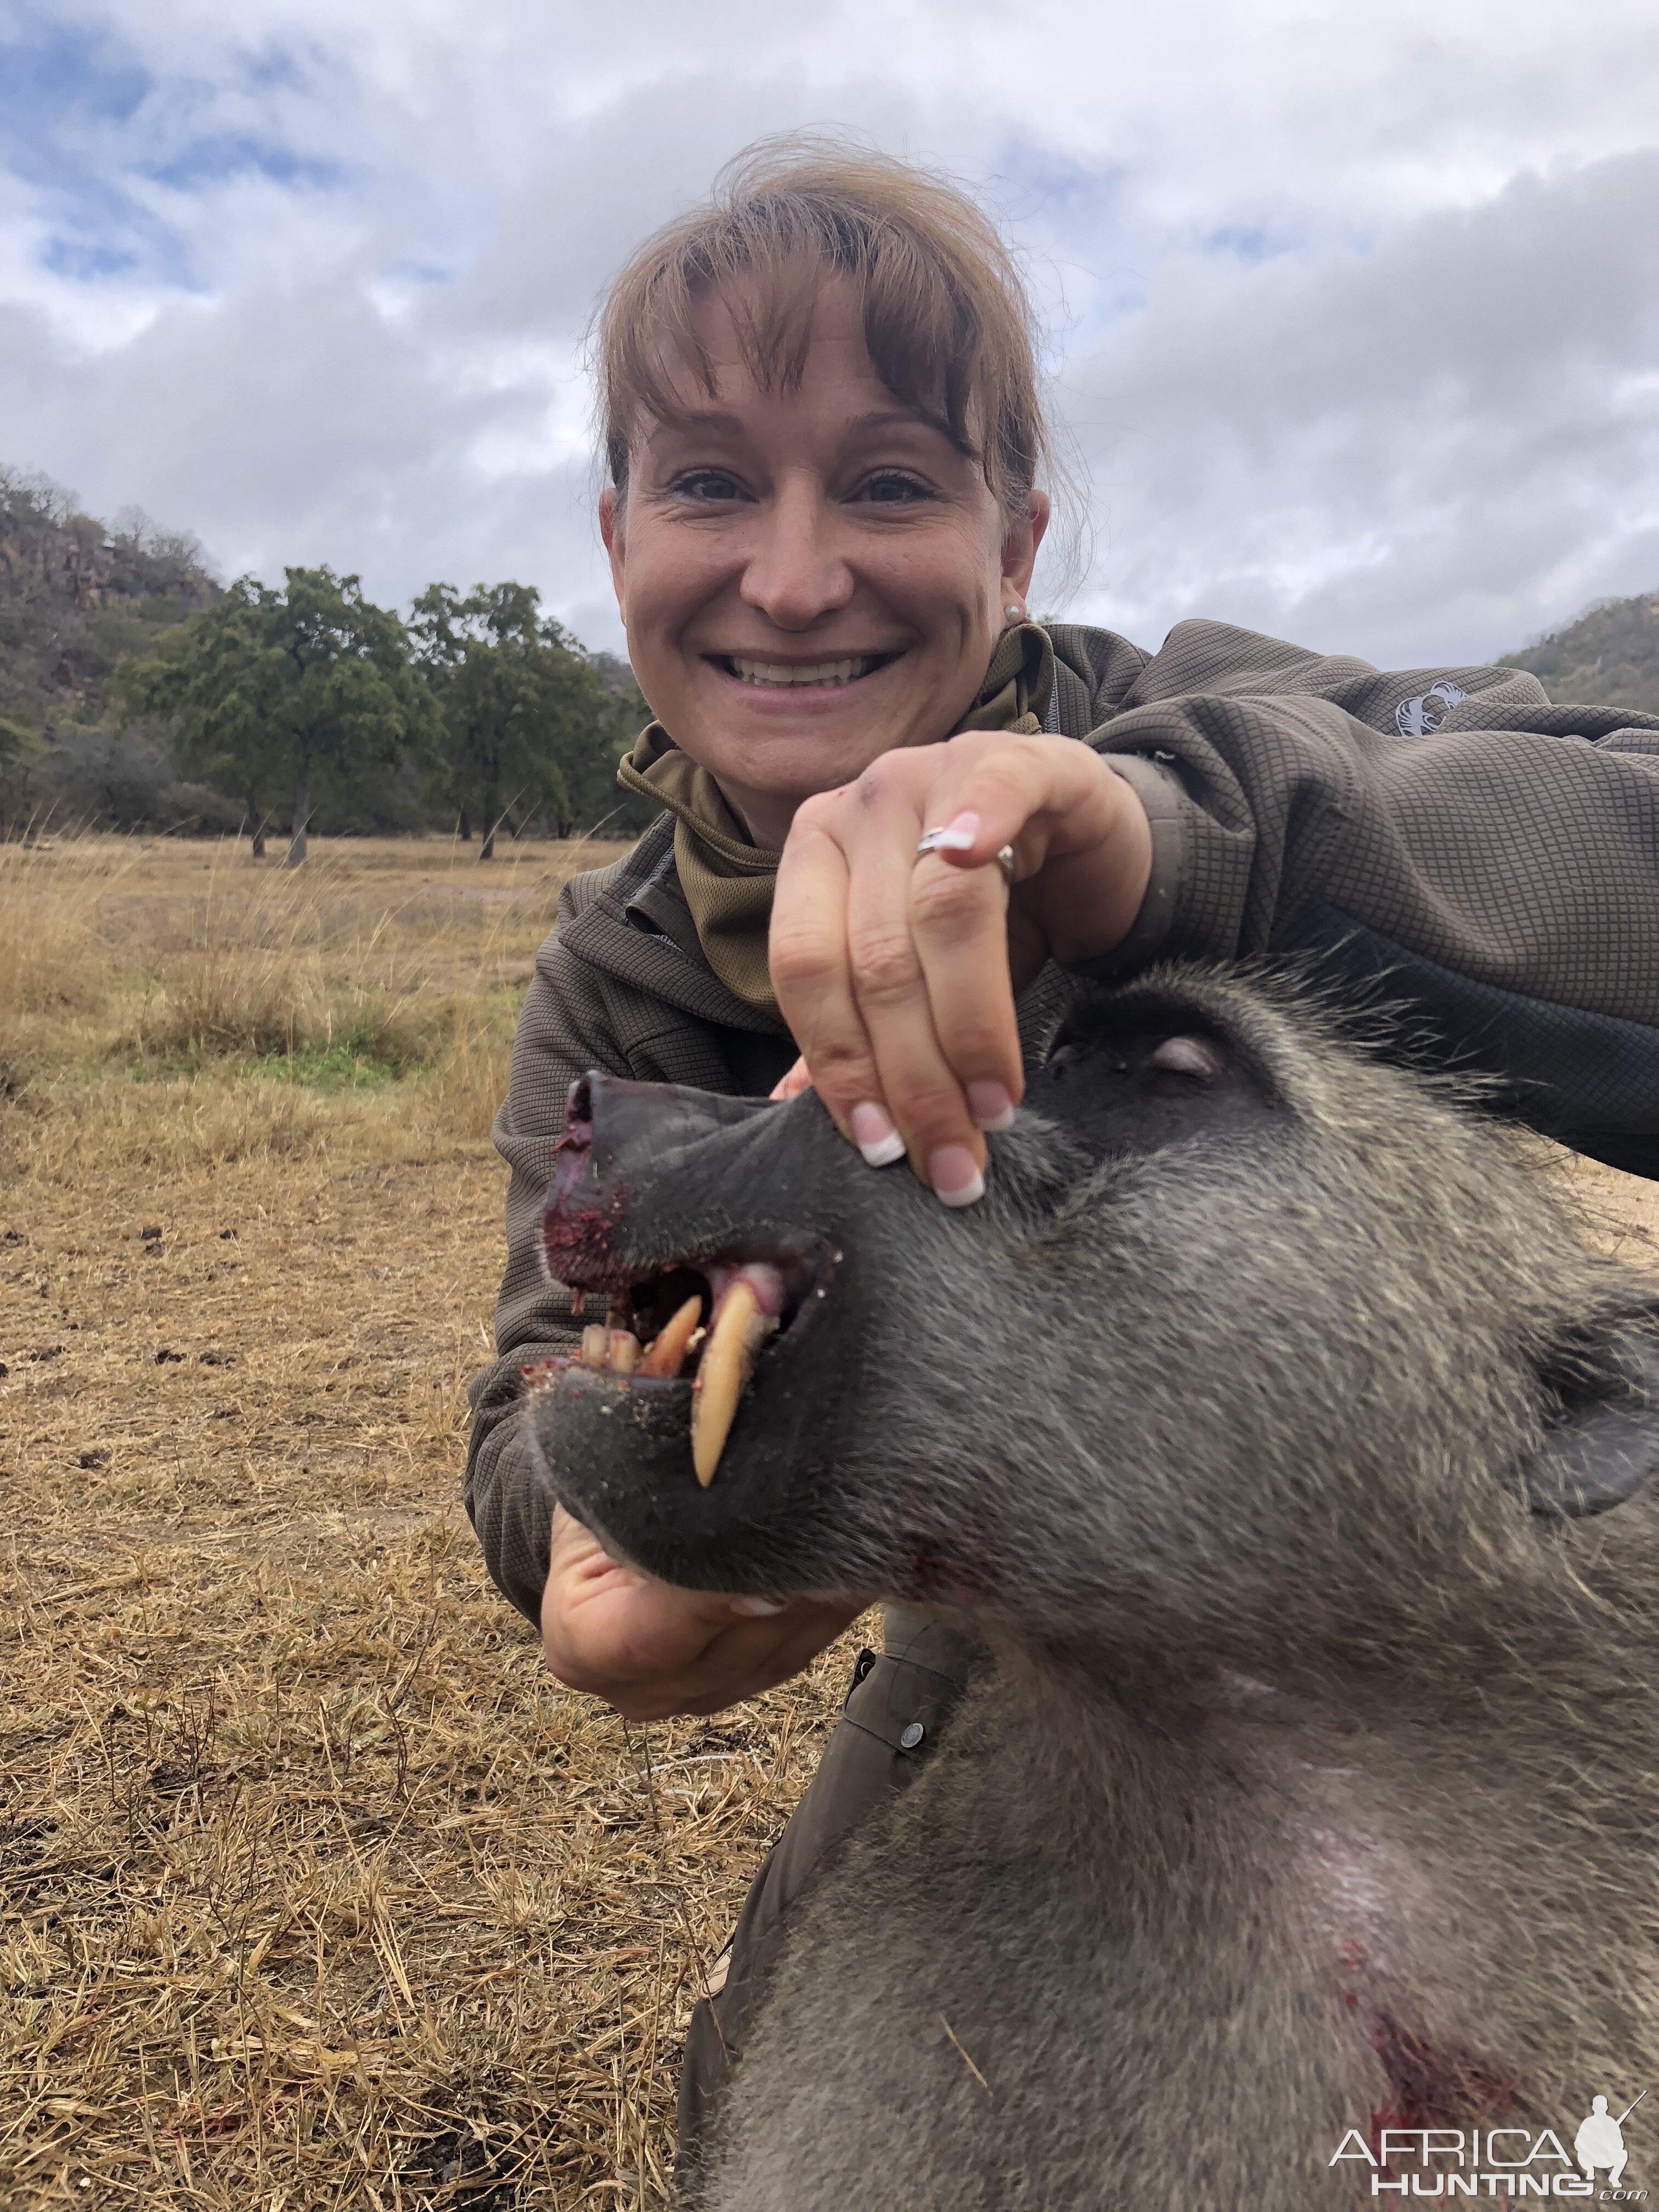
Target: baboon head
{"type": "Point", "coordinates": [1257, 1343]}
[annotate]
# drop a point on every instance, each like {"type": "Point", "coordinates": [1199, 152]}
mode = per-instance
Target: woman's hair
{"type": "Point", "coordinates": [947, 320]}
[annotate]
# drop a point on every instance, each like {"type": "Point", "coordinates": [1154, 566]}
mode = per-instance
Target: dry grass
{"type": "Point", "coordinates": [315, 1890]}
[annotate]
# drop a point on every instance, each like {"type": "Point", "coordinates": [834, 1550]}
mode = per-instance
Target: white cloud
{"type": "Point", "coordinates": [1354, 305]}
{"type": "Point", "coordinates": [1424, 452]}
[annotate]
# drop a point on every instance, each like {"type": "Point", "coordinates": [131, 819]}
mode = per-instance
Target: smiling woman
{"type": "Point", "coordinates": [818, 396]}
{"type": "Point", "coordinates": [821, 419]}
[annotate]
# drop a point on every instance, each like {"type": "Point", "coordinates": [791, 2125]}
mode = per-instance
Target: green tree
{"type": "Point", "coordinates": [529, 725]}
{"type": "Point", "coordinates": [266, 687]}
{"type": "Point", "coordinates": [17, 795]}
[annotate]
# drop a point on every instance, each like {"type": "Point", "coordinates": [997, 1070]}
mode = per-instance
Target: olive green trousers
{"type": "Point", "coordinates": [898, 1705]}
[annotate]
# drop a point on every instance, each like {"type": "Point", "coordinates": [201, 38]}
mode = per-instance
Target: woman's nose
{"type": "Point", "coordinates": [796, 572]}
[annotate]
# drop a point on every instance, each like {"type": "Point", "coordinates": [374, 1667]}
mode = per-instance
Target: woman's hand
{"type": "Point", "coordinates": [897, 974]}
{"type": "Point", "coordinates": [650, 1650]}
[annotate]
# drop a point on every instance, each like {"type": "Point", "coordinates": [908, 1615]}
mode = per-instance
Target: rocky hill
{"type": "Point", "coordinates": [75, 595]}
{"type": "Point", "coordinates": [1609, 657]}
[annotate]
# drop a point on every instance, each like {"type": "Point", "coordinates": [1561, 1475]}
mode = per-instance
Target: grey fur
{"type": "Point", "coordinates": [1313, 1767]}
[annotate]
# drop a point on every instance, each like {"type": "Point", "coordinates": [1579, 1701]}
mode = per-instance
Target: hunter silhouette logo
{"type": "Point", "coordinates": [1421, 716]}
{"type": "Point", "coordinates": [1453, 2162]}
{"type": "Point", "coordinates": [1601, 2140]}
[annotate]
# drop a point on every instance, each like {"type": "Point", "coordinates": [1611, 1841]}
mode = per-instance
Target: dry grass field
{"type": "Point", "coordinates": [316, 1890]}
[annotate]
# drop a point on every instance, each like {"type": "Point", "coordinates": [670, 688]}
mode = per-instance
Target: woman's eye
{"type": "Point", "coordinates": [892, 489]}
{"type": "Point", "coordinates": [706, 485]}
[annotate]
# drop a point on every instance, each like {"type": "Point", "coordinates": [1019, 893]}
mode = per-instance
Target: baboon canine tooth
{"type": "Point", "coordinates": [666, 1354]}
{"type": "Point", "coordinates": [596, 1346]}
{"type": "Point", "coordinates": [735, 1334]}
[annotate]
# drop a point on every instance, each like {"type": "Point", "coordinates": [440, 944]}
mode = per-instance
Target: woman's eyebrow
{"type": "Point", "coordinates": [700, 422]}
{"type": "Point", "coordinates": [890, 418]}
{"type": "Point", "coordinates": [714, 418]}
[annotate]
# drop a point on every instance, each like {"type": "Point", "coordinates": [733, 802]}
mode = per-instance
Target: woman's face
{"type": "Point", "coordinates": [811, 577]}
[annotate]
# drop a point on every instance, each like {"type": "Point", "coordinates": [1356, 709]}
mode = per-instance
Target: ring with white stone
{"type": "Point", "coordinates": [955, 841]}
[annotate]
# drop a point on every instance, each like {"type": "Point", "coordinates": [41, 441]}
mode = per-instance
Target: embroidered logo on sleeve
{"type": "Point", "coordinates": [1421, 716]}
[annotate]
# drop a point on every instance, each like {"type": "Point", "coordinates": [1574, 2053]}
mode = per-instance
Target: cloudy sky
{"type": "Point", "coordinates": [1353, 304]}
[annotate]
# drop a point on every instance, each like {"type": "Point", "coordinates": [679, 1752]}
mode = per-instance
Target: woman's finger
{"type": "Point", "coordinates": [808, 955]}
{"type": "Point", "coordinates": [921, 950]}
{"type": "Point", "coordinates": [878, 822]}
{"type": "Point", "coordinates": [752, 1657]}
{"type": "Point", "coordinates": [790, 1086]}
{"type": "Point", "coordinates": [959, 925]}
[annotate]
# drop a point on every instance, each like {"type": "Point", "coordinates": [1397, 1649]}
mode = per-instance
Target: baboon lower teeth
{"type": "Point", "coordinates": [609, 1351]}
{"type": "Point", "coordinates": [596, 1346]}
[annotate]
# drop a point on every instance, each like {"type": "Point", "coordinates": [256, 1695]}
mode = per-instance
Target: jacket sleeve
{"type": "Point", "coordinates": [1448, 837]}
{"type": "Point", "coordinates": [561, 1032]}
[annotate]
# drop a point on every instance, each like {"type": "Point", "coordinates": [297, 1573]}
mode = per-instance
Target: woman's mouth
{"type": "Point", "coordinates": [782, 675]}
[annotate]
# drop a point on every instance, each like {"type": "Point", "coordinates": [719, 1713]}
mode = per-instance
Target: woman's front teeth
{"type": "Point", "coordinates": [821, 671]}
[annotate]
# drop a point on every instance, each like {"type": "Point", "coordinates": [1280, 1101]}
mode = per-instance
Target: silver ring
{"type": "Point", "coordinates": [953, 841]}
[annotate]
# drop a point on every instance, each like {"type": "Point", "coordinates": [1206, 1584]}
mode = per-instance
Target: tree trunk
{"type": "Point", "coordinates": [463, 827]}
{"type": "Point", "coordinates": [296, 843]}
{"type": "Point", "coordinates": [256, 822]}
{"type": "Point", "coordinates": [491, 823]}
{"type": "Point", "coordinates": [544, 823]}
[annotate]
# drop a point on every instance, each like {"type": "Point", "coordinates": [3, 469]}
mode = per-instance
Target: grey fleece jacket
{"type": "Point", "coordinates": [1492, 859]}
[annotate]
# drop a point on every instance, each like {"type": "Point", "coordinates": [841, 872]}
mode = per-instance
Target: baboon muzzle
{"type": "Point", "coordinates": [678, 1207]}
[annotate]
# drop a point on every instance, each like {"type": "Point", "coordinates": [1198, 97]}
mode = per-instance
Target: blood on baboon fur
{"type": "Point", "coordinates": [1289, 1455]}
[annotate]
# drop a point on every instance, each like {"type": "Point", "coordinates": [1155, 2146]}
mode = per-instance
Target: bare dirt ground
{"type": "Point", "coordinates": [315, 1890]}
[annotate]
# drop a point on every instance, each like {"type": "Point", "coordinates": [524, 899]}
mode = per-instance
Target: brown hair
{"type": "Point", "coordinates": [947, 320]}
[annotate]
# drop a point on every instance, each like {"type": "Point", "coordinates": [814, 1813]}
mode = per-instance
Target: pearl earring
{"type": "Point", "coordinates": [1013, 614]}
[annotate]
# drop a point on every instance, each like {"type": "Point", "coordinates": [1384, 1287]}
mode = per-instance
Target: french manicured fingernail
{"type": "Point", "coordinates": [758, 1607]}
{"type": "Point", "coordinates": [955, 1176]}
{"type": "Point", "coordinates": [991, 1106]}
{"type": "Point", "coordinates": [875, 1136]}
{"type": "Point", "coordinates": [956, 836]}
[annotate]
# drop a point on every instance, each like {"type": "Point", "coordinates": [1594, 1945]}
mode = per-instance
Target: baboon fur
{"type": "Point", "coordinates": [1253, 1425]}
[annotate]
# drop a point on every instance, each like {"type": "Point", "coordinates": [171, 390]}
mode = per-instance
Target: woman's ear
{"type": "Point", "coordinates": [1602, 1443]}
{"type": "Point", "coordinates": [1019, 545]}
{"type": "Point", "coordinates": [612, 509]}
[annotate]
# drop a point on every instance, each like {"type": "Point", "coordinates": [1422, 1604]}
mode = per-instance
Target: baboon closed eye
{"type": "Point", "coordinates": [1601, 1443]}
{"type": "Point", "coordinates": [1147, 1078]}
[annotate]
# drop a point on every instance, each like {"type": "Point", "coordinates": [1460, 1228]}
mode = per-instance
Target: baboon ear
{"type": "Point", "coordinates": [1602, 1443]}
